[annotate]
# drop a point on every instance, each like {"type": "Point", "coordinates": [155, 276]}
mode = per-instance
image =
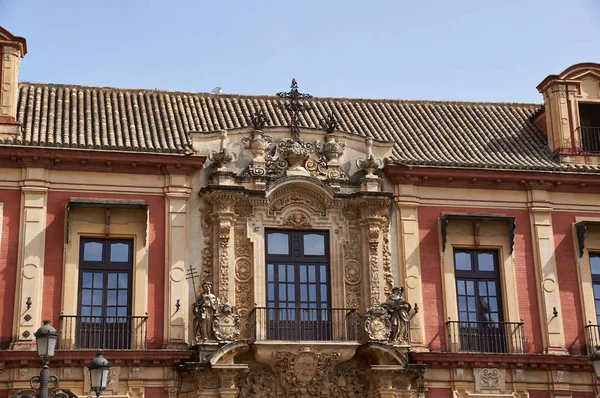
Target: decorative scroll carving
{"type": "Point", "coordinates": [347, 384]}
{"type": "Point", "coordinates": [490, 378]}
{"type": "Point", "coordinates": [287, 200]}
{"type": "Point", "coordinates": [297, 220]}
{"type": "Point", "coordinates": [242, 295]}
{"type": "Point", "coordinates": [305, 373]}
{"type": "Point", "coordinates": [258, 383]}
{"type": "Point", "coordinates": [351, 212]}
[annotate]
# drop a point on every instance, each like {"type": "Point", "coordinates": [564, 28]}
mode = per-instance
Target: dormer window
{"type": "Point", "coordinates": [589, 119]}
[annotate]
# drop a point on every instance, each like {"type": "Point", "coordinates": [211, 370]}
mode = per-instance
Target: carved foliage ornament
{"type": "Point", "coordinates": [297, 220]}
{"type": "Point", "coordinates": [490, 378]}
{"type": "Point", "coordinates": [258, 383]}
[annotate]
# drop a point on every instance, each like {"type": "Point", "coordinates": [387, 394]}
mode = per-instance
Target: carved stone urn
{"type": "Point", "coordinates": [370, 163]}
{"type": "Point", "coordinates": [332, 149]}
{"type": "Point", "coordinates": [258, 145]}
{"type": "Point", "coordinates": [296, 153]}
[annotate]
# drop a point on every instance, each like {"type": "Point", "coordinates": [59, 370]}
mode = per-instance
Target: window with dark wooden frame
{"type": "Point", "coordinates": [298, 296]}
{"type": "Point", "coordinates": [479, 300]}
{"type": "Point", "coordinates": [595, 271]}
{"type": "Point", "coordinates": [104, 304]}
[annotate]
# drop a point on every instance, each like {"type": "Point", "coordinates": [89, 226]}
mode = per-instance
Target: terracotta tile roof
{"type": "Point", "coordinates": [428, 133]}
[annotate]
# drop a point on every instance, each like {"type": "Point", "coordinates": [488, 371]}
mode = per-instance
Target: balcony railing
{"type": "Point", "coordinates": [307, 324]}
{"type": "Point", "coordinates": [487, 337]}
{"type": "Point", "coordinates": [593, 337]}
{"type": "Point", "coordinates": [590, 138]}
{"type": "Point", "coordinates": [103, 332]}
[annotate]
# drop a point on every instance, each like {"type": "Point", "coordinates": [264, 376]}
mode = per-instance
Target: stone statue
{"type": "Point", "coordinates": [204, 311]}
{"type": "Point", "coordinates": [390, 321]}
{"type": "Point", "coordinates": [399, 310]}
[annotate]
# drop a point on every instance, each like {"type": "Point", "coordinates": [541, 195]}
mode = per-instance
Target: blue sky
{"type": "Point", "coordinates": [475, 50]}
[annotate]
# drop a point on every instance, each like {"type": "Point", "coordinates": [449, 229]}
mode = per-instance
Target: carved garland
{"type": "Point", "coordinates": [386, 258]}
{"type": "Point", "coordinates": [224, 235]}
{"type": "Point", "coordinates": [207, 252]}
{"type": "Point", "coordinates": [373, 263]}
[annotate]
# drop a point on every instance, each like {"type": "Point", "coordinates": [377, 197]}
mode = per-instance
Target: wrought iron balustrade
{"type": "Point", "coordinates": [486, 337]}
{"type": "Point", "coordinates": [593, 337]}
{"type": "Point", "coordinates": [103, 332]}
{"type": "Point", "coordinates": [308, 324]}
{"type": "Point", "coordinates": [590, 138]}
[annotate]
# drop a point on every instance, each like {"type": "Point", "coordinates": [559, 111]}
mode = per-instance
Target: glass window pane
{"type": "Point", "coordinates": [112, 280]}
{"type": "Point", "coordinates": [96, 311]}
{"type": "Point", "coordinates": [98, 280]}
{"type": "Point", "coordinates": [460, 287]}
{"type": "Point", "coordinates": [278, 243]}
{"type": "Point", "coordinates": [314, 245]}
{"type": "Point", "coordinates": [485, 261]}
{"type": "Point", "coordinates": [119, 252]}
{"type": "Point", "coordinates": [97, 297]}
{"type": "Point", "coordinates": [470, 288]}
{"type": "Point", "coordinates": [483, 302]}
{"type": "Point", "coordinates": [597, 290]}
{"type": "Point", "coordinates": [270, 273]}
{"type": "Point", "coordinates": [290, 273]}
{"type": "Point", "coordinates": [312, 274]}
{"type": "Point", "coordinates": [271, 291]}
{"type": "Point", "coordinates": [493, 304]}
{"type": "Point", "coordinates": [463, 317]}
{"type": "Point", "coordinates": [482, 286]}
{"type": "Point", "coordinates": [281, 272]}
{"type": "Point", "coordinates": [312, 292]}
{"type": "Point", "coordinates": [122, 311]}
{"type": "Point", "coordinates": [303, 273]}
{"type": "Point", "coordinates": [595, 264]}
{"type": "Point", "coordinates": [111, 311]}
{"type": "Point", "coordinates": [122, 297]}
{"type": "Point", "coordinates": [323, 293]}
{"type": "Point", "coordinates": [111, 297]}
{"type": "Point", "coordinates": [303, 293]}
{"type": "Point", "coordinates": [462, 261]}
{"type": "Point", "coordinates": [462, 303]}
{"type": "Point", "coordinates": [86, 311]}
{"type": "Point", "coordinates": [92, 251]}
{"type": "Point", "coordinates": [323, 276]}
{"type": "Point", "coordinates": [471, 303]}
{"type": "Point", "coordinates": [86, 297]}
{"type": "Point", "coordinates": [123, 277]}
{"type": "Point", "coordinates": [282, 293]}
{"type": "Point", "coordinates": [491, 288]}
{"type": "Point", "coordinates": [291, 293]}
{"type": "Point", "coordinates": [87, 279]}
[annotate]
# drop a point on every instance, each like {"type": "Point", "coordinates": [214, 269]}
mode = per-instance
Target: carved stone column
{"type": "Point", "coordinates": [32, 241]}
{"type": "Point", "coordinates": [178, 193]}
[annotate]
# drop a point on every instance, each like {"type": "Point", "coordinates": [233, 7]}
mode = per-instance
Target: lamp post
{"type": "Point", "coordinates": [45, 340]}
{"type": "Point", "coordinates": [595, 357]}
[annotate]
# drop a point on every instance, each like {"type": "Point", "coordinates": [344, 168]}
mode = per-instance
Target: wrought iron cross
{"type": "Point", "coordinates": [294, 106]}
{"type": "Point", "coordinates": [191, 274]}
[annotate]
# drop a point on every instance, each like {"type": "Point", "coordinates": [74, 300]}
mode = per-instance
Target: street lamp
{"type": "Point", "coordinates": [45, 341]}
{"type": "Point", "coordinates": [595, 357]}
{"type": "Point", "coordinates": [99, 368]}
